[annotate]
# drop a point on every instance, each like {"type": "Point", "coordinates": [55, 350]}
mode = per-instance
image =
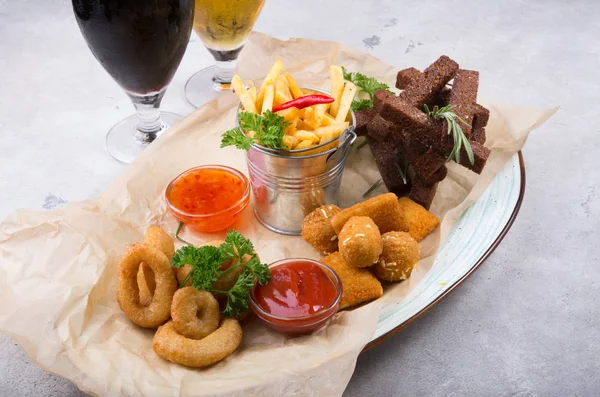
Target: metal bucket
{"type": "Point", "coordinates": [289, 184]}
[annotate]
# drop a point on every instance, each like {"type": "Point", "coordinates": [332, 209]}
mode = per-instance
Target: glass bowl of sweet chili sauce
{"type": "Point", "coordinates": [300, 298]}
{"type": "Point", "coordinates": [208, 198]}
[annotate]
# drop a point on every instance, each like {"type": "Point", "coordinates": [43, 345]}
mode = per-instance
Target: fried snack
{"type": "Point", "coordinates": [317, 230]}
{"type": "Point", "coordinates": [245, 97]}
{"type": "Point", "coordinates": [384, 210]}
{"type": "Point", "coordinates": [360, 241]}
{"type": "Point", "coordinates": [155, 237]}
{"type": "Point", "coordinates": [159, 309]}
{"type": "Point", "coordinates": [226, 282]}
{"type": "Point", "coordinates": [345, 102]}
{"type": "Point", "coordinates": [195, 313]}
{"type": "Point", "coordinates": [358, 285]}
{"type": "Point", "coordinates": [176, 348]}
{"type": "Point", "coordinates": [146, 284]}
{"type": "Point", "coordinates": [399, 257]}
{"type": "Point", "coordinates": [420, 221]}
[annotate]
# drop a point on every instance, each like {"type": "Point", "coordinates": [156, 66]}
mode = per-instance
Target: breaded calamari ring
{"type": "Point", "coordinates": [195, 313]}
{"type": "Point", "coordinates": [178, 349]}
{"type": "Point", "coordinates": [399, 257]}
{"type": "Point", "coordinates": [159, 310]}
{"type": "Point", "coordinates": [155, 237]}
{"type": "Point", "coordinates": [360, 241]}
{"type": "Point", "coordinates": [317, 230]}
{"type": "Point", "coordinates": [146, 284]}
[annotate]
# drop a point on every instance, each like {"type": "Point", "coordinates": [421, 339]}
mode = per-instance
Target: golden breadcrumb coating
{"type": "Point", "coordinates": [383, 209]}
{"type": "Point", "coordinates": [358, 285]}
{"type": "Point", "coordinates": [317, 230]}
{"type": "Point", "coordinates": [420, 221]}
{"type": "Point", "coordinates": [399, 257]}
{"type": "Point", "coordinates": [176, 348]}
{"type": "Point", "coordinates": [360, 242]}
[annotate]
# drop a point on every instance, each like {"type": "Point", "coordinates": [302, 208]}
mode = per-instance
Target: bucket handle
{"type": "Point", "coordinates": [346, 139]}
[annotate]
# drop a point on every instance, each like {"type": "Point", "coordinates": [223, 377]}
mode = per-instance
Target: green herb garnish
{"type": "Point", "coordinates": [373, 187]}
{"type": "Point", "coordinates": [454, 129]}
{"type": "Point", "coordinates": [179, 229]}
{"type": "Point", "coordinates": [403, 172]}
{"type": "Point", "coordinates": [266, 130]}
{"type": "Point", "coordinates": [206, 269]}
{"type": "Point", "coordinates": [367, 85]}
{"type": "Point", "coordinates": [361, 144]}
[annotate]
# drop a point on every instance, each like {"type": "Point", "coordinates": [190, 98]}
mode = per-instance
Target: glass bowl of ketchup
{"type": "Point", "coordinates": [208, 198]}
{"type": "Point", "coordinates": [300, 298]}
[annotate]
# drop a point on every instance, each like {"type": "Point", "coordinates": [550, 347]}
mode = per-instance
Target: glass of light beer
{"type": "Point", "coordinates": [223, 26]}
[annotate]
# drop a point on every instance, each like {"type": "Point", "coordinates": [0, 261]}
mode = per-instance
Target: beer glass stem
{"type": "Point", "coordinates": [148, 110]}
{"type": "Point", "coordinates": [224, 72]}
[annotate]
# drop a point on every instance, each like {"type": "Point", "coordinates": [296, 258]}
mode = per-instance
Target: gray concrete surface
{"type": "Point", "coordinates": [525, 324]}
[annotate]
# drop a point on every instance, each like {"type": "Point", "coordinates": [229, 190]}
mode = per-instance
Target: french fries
{"type": "Point", "coordinates": [268, 98]}
{"type": "Point", "coordinates": [311, 126]}
{"type": "Point", "coordinates": [252, 93]}
{"type": "Point", "coordinates": [306, 136]}
{"type": "Point", "coordinates": [333, 129]}
{"type": "Point", "coordinates": [270, 79]}
{"type": "Point", "coordinates": [345, 102]}
{"type": "Point", "coordinates": [242, 93]}
{"type": "Point", "coordinates": [296, 91]}
{"type": "Point", "coordinates": [282, 91]}
{"type": "Point", "coordinates": [304, 145]}
{"type": "Point", "coordinates": [337, 87]}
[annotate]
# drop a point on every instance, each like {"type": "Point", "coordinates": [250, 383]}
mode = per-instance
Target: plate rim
{"type": "Point", "coordinates": [476, 266]}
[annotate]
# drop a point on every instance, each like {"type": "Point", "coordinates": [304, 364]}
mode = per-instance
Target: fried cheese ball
{"type": "Point", "coordinates": [360, 241]}
{"type": "Point", "coordinates": [358, 285]}
{"type": "Point", "coordinates": [317, 229]}
{"type": "Point", "coordinates": [420, 221]}
{"type": "Point", "coordinates": [399, 257]}
{"type": "Point", "coordinates": [383, 209]}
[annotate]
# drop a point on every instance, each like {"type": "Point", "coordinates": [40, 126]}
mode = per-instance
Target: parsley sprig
{"type": "Point", "coordinates": [454, 129]}
{"type": "Point", "coordinates": [367, 85]}
{"type": "Point", "coordinates": [206, 269]}
{"type": "Point", "coordinates": [267, 130]}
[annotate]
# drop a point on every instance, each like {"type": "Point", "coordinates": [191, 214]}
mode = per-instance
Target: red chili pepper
{"type": "Point", "coordinates": [304, 102]}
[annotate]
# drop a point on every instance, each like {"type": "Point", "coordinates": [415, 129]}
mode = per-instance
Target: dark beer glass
{"type": "Point", "coordinates": [140, 43]}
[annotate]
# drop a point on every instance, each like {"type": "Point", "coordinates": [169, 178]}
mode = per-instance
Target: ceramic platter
{"type": "Point", "coordinates": [479, 231]}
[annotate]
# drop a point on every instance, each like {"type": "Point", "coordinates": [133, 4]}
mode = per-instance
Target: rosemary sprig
{"type": "Point", "coordinates": [403, 172]}
{"type": "Point", "coordinates": [359, 145]}
{"type": "Point", "coordinates": [373, 187]}
{"type": "Point", "coordinates": [454, 129]}
{"type": "Point", "coordinates": [179, 228]}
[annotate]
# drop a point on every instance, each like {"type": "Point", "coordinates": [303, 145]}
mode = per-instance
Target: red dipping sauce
{"type": "Point", "coordinates": [301, 296]}
{"type": "Point", "coordinates": [208, 198]}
